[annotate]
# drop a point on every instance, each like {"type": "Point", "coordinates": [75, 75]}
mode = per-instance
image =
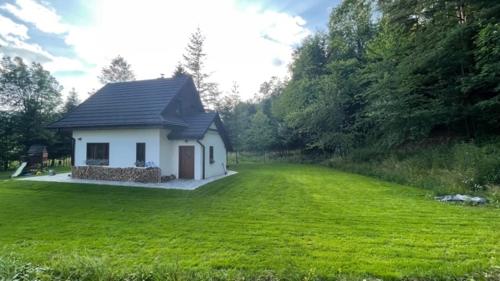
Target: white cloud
{"type": "Point", "coordinates": [243, 43]}
{"type": "Point", "coordinates": [13, 38]}
{"type": "Point", "coordinates": [152, 36]}
{"type": "Point", "coordinates": [42, 16]}
{"type": "Point", "coordinates": [10, 30]}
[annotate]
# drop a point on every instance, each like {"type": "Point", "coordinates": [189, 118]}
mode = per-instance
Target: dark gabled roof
{"type": "Point", "coordinates": [132, 103]}
{"type": "Point", "coordinates": [198, 125]}
{"type": "Point", "coordinates": [144, 103]}
{"type": "Point", "coordinates": [36, 149]}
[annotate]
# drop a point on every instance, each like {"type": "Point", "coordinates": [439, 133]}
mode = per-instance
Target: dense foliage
{"type": "Point", "coordinates": [387, 74]}
{"type": "Point", "coordinates": [119, 70]}
{"type": "Point", "coordinates": [29, 96]}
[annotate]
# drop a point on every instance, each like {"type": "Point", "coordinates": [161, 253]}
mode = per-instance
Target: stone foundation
{"type": "Point", "coordinates": [146, 175]}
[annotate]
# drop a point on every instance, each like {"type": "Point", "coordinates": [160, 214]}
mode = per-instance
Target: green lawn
{"type": "Point", "coordinates": [274, 217]}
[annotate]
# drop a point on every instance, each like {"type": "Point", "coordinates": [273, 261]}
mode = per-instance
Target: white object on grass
{"type": "Point", "coordinates": [19, 170]}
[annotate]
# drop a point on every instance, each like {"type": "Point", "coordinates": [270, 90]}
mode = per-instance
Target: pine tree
{"type": "Point", "coordinates": [179, 70]}
{"type": "Point", "coordinates": [118, 71]}
{"type": "Point", "coordinates": [194, 62]}
{"type": "Point", "coordinates": [72, 101]}
{"type": "Point", "coordinates": [229, 102]}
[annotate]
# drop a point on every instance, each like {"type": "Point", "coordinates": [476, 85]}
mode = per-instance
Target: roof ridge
{"type": "Point", "coordinates": [151, 79]}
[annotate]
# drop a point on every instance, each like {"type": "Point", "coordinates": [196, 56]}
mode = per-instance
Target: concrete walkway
{"type": "Point", "coordinates": [174, 184]}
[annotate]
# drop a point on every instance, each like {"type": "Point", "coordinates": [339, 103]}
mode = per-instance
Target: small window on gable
{"type": "Point", "coordinates": [140, 154]}
{"type": "Point", "coordinates": [211, 153]}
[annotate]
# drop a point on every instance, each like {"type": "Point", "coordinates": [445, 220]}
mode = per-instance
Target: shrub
{"type": "Point", "coordinates": [444, 169]}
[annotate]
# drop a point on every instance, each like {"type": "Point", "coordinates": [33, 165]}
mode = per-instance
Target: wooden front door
{"type": "Point", "coordinates": [186, 162]}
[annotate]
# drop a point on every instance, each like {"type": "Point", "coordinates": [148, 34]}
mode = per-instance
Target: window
{"type": "Point", "coordinates": [140, 154]}
{"type": "Point", "coordinates": [211, 154]}
{"type": "Point", "coordinates": [98, 154]}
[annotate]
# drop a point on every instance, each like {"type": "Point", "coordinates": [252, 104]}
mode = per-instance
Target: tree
{"type": "Point", "coordinates": [72, 101]}
{"type": "Point", "coordinates": [32, 94]}
{"type": "Point", "coordinates": [118, 71]}
{"type": "Point", "coordinates": [260, 136]}
{"type": "Point", "coordinates": [194, 63]}
{"type": "Point", "coordinates": [322, 102]}
{"type": "Point", "coordinates": [61, 144]}
{"type": "Point", "coordinates": [9, 145]}
{"type": "Point", "coordinates": [425, 75]}
{"type": "Point", "coordinates": [269, 89]}
{"type": "Point", "coordinates": [229, 102]}
{"type": "Point", "coordinates": [179, 70]}
{"type": "Point", "coordinates": [230, 117]}
{"type": "Point", "coordinates": [405, 73]}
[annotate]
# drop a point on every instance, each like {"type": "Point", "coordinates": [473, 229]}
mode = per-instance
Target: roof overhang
{"type": "Point", "coordinates": [179, 135]}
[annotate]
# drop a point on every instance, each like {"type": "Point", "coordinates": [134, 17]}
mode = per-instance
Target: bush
{"type": "Point", "coordinates": [444, 169]}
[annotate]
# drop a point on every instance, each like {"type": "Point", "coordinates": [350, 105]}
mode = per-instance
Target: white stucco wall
{"type": "Point", "coordinates": [159, 149]}
{"type": "Point", "coordinates": [212, 138]}
{"type": "Point", "coordinates": [166, 152]}
{"type": "Point", "coordinates": [169, 155]}
{"type": "Point", "coordinates": [174, 160]}
{"type": "Point", "coordinates": [122, 145]}
{"type": "Point", "coordinates": [169, 151]}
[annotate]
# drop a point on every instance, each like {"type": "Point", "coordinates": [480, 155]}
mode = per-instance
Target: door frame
{"type": "Point", "coordinates": [181, 147]}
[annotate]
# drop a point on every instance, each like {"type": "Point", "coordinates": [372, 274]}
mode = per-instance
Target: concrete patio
{"type": "Point", "coordinates": [174, 184]}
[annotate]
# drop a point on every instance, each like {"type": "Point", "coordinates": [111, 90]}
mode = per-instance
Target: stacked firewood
{"type": "Point", "coordinates": [146, 175]}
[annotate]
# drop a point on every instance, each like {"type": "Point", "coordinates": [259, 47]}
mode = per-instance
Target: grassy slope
{"type": "Point", "coordinates": [278, 217]}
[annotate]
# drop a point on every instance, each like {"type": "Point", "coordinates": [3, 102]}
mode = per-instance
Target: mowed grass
{"type": "Point", "coordinates": [273, 217]}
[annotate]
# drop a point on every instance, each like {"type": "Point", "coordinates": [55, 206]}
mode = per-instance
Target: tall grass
{"type": "Point", "coordinates": [89, 269]}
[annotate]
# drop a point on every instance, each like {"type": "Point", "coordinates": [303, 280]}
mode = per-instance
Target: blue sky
{"type": "Point", "coordinates": [247, 41]}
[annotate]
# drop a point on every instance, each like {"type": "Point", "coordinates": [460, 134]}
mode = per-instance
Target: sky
{"type": "Point", "coordinates": [247, 42]}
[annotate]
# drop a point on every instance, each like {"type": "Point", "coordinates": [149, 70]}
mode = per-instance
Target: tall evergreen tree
{"type": "Point", "coordinates": [179, 70]}
{"type": "Point", "coordinates": [118, 71]}
{"type": "Point", "coordinates": [194, 63]}
{"type": "Point", "coordinates": [229, 102]}
{"type": "Point", "coordinates": [232, 117]}
{"type": "Point", "coordinates": [72, 101]}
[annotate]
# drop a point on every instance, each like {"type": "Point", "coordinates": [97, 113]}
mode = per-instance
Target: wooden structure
{"type": "Point", "coordinates": [37, 156]}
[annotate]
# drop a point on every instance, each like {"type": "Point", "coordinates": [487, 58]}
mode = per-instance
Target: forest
{"type": "Point", "coordinates": [404, 90]}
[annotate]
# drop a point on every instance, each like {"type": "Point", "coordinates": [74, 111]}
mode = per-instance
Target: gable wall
{"type": "Point", "coordinates": [212, 138]}
{"type": "Point", "coordinates": [189, 99]}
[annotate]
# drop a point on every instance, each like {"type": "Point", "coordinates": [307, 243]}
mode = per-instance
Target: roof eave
{"type": "Point", "coordinates": [115, 126]}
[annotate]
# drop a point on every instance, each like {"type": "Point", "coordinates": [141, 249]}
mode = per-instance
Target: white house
{"type": "Point", "coordinates": [129, 127]}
